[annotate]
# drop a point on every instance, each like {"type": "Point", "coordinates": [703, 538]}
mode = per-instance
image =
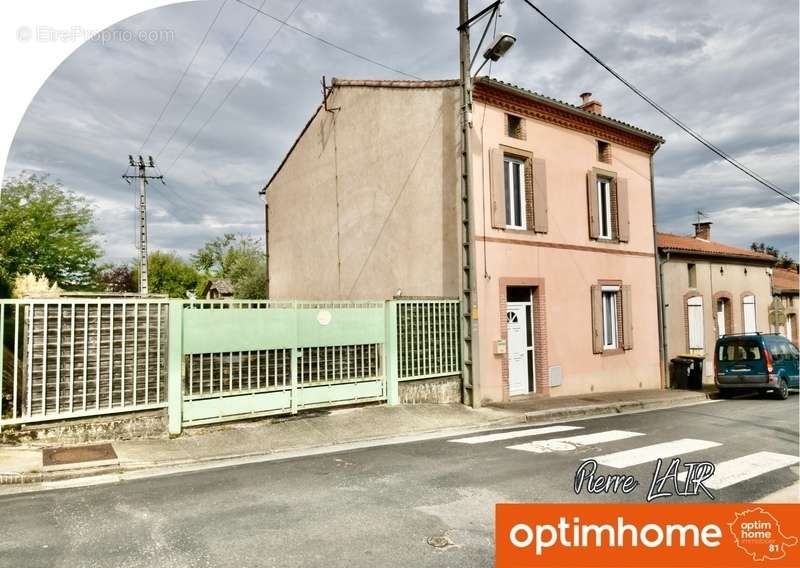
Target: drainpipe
{"type": "Point", "coordinates": [659, 269]}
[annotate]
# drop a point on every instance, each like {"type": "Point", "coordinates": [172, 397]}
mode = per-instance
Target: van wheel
{"type": "Point", "coordinates": [782, 393]}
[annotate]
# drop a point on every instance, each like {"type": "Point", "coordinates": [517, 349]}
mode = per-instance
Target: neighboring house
{"type": "Point", "coordinates": [709, 290]}
{"type": "Point", "coordinates": [366, 205]}
{"type": "Point", "coordinates": [216, 289]}
{"type": "Point", "coordinates": [786, 290]}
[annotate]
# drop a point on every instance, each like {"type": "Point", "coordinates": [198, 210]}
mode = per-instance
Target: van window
{"type": "Point", "coordinates": [739, 351]}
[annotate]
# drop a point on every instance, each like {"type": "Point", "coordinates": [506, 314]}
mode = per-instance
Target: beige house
{"type": "Point", "coordinates": [366, 205]}
{"type": "Point", "coordinates": [786, 291]}
{"type": "Point", "coordinates": [711, 289]}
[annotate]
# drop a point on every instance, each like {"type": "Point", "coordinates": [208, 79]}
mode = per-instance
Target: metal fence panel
{"type": "Point", "coordinates": [427, 337]}
{"type": "Point", "coordinates": [71, 358]}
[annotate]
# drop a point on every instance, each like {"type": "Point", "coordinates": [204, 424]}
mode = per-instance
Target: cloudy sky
{"type": "Point", "coordinates": [728, 69]}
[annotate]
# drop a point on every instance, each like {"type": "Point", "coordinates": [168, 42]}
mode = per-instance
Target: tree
{"type": "Point", "coordinates": [169, 274]}
{"type": "Point", "coordinates": [116, 278]}
{"type": "Point", "coordinates": [783, 260]}
{"type": "Point", "coordinates": [240, 259]}
{"type": "Point", "coordinates": [46, 230]}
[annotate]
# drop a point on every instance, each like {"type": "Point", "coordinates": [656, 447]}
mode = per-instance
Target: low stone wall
{"type": "Point", "coordinates": [150, 424]}
{"type": "Point", "coordinates": [441, 390]}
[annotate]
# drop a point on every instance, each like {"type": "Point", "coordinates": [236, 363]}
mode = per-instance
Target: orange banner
{"type": "Point", "coordinates": [662, 535]}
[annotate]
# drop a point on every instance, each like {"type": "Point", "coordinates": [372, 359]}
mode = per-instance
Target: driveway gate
{"type": "Point", "coordinates": [250, 358]}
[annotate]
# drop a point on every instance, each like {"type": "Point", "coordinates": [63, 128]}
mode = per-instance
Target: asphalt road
{"type": "Point", "coordinates": [377, 506]}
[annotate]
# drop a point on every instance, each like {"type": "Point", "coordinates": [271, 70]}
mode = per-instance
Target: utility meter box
{"type": "Point", "coordinates": [500, 347]}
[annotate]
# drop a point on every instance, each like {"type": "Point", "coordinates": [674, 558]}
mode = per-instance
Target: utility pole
{"type": "Point", "coordinates": [469, 302]}
{"type": "Point", "coordinates": [141, 233]}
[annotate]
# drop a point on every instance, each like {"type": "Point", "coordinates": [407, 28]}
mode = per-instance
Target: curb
{"type": "Point", "coordinates": [44, 478]}
{"type": "Point", "coordinates": [612, 408]}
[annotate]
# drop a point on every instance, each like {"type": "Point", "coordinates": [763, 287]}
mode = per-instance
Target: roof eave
{"type": "Point", "coordinates": [725, 255]}
{"type": "Point", "coordinates": [656, 139]}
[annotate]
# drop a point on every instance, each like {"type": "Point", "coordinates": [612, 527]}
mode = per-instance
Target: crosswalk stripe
{"type": "Point", "coordinates": [746, 467]}
{"type": "Point", "coordinates": [646, 454]}
{"type": "Point", "coordinates": [572, 442]}
{"type": "Point", "coordinates": [515, 434]}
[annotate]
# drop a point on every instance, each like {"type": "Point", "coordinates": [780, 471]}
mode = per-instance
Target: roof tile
{"type": "Point", "coordinates": [682, 243]}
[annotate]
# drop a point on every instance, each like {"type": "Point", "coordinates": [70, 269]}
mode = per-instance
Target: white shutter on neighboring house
{"type": "Point", "coordinates": [749, 311]}
{"type": "Point", "coordinates": [694, 309]}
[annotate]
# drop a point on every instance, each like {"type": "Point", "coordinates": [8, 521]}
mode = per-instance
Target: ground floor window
{"type": "Point", "coordinates": [610, 317]}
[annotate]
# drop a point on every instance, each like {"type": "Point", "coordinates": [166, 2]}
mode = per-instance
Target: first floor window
{"type": "Point", "coordinates": [610, 317]}
{"type": "Point", "coordinates": [515, 192]}
{"type": "Point", "coordinates": [604, 207]}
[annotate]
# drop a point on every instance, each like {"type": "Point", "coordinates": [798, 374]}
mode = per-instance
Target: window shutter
{"type": "Point", "coordinates": [627, 318]}
{"type": "Point", "coordinates": [623, 216]}
{"type": "Point", "coordinates": [539, 196]}
{"type": "Point", "coordinates": [597, 319]}
{"type": "Point", "coordinates": [497, 188]}
{"type": "Point", "coordinates": [591, 197]}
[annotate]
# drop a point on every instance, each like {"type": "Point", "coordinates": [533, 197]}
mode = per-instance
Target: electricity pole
{"type": "Point", "coordinates": [141, 233]}
{"type": "Point", "coordinates": [469, 302]}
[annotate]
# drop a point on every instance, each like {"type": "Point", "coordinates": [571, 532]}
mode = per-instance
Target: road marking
{"type": "Point", "coordinates": [515, 434]}
{"type": "Point", "coordinates": [646, 454]}
{"type": "Point", "coordinates": [573, 442]}
{"type": "Point", "coordinates": [746, 467]}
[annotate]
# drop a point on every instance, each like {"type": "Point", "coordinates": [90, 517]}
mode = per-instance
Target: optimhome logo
{"type": "Point", "coordinates": [624, 535]}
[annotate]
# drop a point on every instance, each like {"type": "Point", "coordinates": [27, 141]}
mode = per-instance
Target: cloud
{"type": "Point", "coordinates": [730, 73]}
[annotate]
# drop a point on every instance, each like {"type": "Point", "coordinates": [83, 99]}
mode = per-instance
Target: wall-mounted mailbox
{"type": "Point", "coordinates": [500, 347]}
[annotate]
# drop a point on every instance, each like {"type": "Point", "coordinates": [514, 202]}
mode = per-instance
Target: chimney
{"type": "Point", "coordinates": [589, 104]}
{"type": "Point", "coordinates": [702, 230]}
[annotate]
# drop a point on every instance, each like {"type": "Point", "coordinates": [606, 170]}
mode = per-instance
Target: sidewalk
{"type": "Point", "coordinates": [320, 431]}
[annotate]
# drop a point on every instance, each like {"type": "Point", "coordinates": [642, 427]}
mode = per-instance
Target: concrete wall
{"type": "Point", "coordinates": [710, 281]}
{"type": "Point", "coordinates": [566, 262]}
{"type": "Point", "coordinates": [366, 204]}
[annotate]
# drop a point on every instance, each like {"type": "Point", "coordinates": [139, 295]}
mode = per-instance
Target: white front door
{"type": "Point", "coordinates": [721, 317]}
{"type": "Point", "coordinates": [519, 347]}
{"type": "Point", "coordinates": [749, 309]}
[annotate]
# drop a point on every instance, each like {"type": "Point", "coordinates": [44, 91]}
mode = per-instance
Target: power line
{"type": "Point", "coordinates": [209, 82]}
{"type": "Point", "coordinates": [719, 152]}
{"type": "Point", "coordinates": [183, 76]}
{"type": "Point", "coordinates": [236, 84]}
{"type": "Point", "coordinates": [330, 44]}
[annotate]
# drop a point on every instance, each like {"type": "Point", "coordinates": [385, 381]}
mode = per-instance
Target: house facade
{"type": "Point", "coordinates": [711, 289]}
{"type": "Point", "coordinates": [786, 291]}
{"type": "Point", "coordinates": [366, 205]}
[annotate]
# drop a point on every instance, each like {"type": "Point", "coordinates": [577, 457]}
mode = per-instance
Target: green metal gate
{"type": "Point", "coordinates": [250, 358]}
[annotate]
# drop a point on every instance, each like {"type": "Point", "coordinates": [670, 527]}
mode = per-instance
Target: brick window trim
{"type": "Point", "coordinates": [686, 297]}
{"type": "Point", "coordinates": [724, 295]}
{"type": "Point", "coordinates": [619, 350]}
{"type": "Point", "coordinates": [527, 158]}
{"type": "Point", "coordinates": [540, 352]}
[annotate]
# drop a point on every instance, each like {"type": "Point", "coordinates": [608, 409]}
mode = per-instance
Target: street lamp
{"type": "Point", "coordinates": [498, 49]}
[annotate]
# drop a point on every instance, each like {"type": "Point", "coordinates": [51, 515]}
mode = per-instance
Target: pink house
{"type": "Point", "coordinates": [366, 205]}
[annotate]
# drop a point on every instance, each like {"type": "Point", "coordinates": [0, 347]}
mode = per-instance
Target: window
{"type": "Point", "coordinates": [604, 208]}
{"type": "Point", "coordinates": [694, 312]}
{"type": "Point", "coordinates": [514, 128]}
{"type": "Point", "coordinates": [739, 350]}
{"type": "Point", "coordinates": [610, 317]}
{"type": "Point", "coordinates": [603, 152]}
{"type": "Point", "coordinates": [749, 313]}
{"type": "Point", "coordinates": [515, 193]}
{"type": "Point", "coordinates": [692, 268]}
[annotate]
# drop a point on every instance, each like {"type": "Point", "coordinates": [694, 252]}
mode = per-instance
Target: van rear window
{"type": "Point", "coordinates": [739, 351]}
